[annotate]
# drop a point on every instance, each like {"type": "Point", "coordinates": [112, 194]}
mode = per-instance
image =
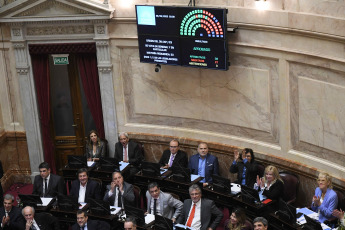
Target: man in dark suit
{"type": "Point", "coordinates": [83, 222]}
{"type": "Point", "coordinates": [196, 211]}
{"type": "Point", "coordinates": [163, 204]}
{"type": "Point", "coordinates": [204, 164]}
{"type": "Point", "coordinates": [174, 156]}
{"type": "Point", "coordinates": [130, 224]}
{"type": "Point", "coordinates": [119, 193]}
{"type": "Point", "coordinates": [42, 221]}
{"type": "Point", "coordinates": [54, 182]}
{"type": "Point", "coordinates": [83, 189]}
{"type": "Point", "coordinates": [10, 215]}
{"type": "Point", "coordinates": [128, 151]}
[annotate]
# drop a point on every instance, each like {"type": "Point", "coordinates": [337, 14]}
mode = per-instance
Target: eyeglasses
{"type": "Point", "coordinates": [173, 147]}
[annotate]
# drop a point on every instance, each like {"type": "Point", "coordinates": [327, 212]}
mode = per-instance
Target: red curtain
{"type": "Point", "coordinates": [88, 70]}
{"type": "Point", "coordinates": [40, 66]}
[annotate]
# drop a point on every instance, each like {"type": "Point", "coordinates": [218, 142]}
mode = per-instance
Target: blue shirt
{"type": "Point", "coordinates": [243, 181]}
{"type": "Point", "coordinates": [201, 168]}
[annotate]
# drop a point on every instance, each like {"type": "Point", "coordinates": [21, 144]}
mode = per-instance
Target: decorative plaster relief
{"type": "Point", "coordinates": [100, 29]}
{"type": "Point", "coordinates": [16, 32]}
{"type": "Point", "coordinates": [60, 30]}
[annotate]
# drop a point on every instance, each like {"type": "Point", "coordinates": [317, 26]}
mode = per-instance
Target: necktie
{"type": "Point", "coordinates": [191, 216]}
{"type": "Point", "coordinates": [172, 159]}
{"type": "Point", "coordinates": [119, 199]}
{"type": "Point", "coordinates": [45, 187]}
{"type": "Point", "coordinates": [33, 227]}
{"type": "Point", "coordinates": [82, 228]}
{"type": "Point", "coordinates": [125, 153]}
{"type": "Point", "coordinates": [6, 213]}
{"type": "Point", "coordinates": [155, 207]}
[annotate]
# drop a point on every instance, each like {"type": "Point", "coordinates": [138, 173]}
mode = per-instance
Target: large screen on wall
{"type": "Point", "coordinates": [185, 36]}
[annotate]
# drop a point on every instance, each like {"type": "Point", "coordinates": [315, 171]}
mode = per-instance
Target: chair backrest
{"type": "Point", "coordinates": [341, 200]}
{"type": "Point", "coordinates": [261, 169]}
{"type": "Point", "coordinates": [291, 185]}
{"type": "Point", "coordinates": [106, 147]}
{"type": "Point", "coordinates": [99, 181]}
{"type": "Point", "coordinates": [137, 194]}
{"type": "Point", "coordinates": [177, 197]}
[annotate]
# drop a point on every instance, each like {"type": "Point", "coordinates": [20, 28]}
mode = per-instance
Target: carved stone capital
{"type": "Point", "coordinates": [22, 70]}
{"type": "Point", "coordinates": [105, 69]}
{"type": "Point", "coordinates": [18, 45]}
{"type": "Point", "coordinates": [102, 43]}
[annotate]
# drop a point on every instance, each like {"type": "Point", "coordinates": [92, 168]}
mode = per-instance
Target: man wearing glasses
{"type": "Point", "coordinates": [174, 156]}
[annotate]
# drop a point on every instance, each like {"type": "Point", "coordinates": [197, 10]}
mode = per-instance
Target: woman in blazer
{"type": "Point", "coordinates": [325, 200]}
{"type": "Point", "coordinates": [271, 185]}
{"type": "Point", "coordinates": [95, 147]}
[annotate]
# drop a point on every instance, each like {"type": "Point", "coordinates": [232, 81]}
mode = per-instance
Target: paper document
{"type": "Point", "coordinates": [149, 218]}
{"type": "Point", "coordinates": [116, 211]}
{"type": "Point", "coordinates": [45, 201]}
{"type": "Point", "coordinates": [90, 163]}
{"type": "Point", "coordinates": [123, 165]}
{"type": "Point", "coordinates": [194, 177]}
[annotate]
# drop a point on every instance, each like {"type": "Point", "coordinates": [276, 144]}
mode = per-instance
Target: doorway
{"type": "Point", "coordinates": [71, 118]}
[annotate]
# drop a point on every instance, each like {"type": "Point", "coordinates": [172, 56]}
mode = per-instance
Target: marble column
{"type": "Point", "coordinates": [28, 98]}
{"type": "Point", "coordinates": [106, 84]}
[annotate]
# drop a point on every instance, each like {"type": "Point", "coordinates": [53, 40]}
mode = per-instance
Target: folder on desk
{"type": "Point", "coordinates": [181, 226]}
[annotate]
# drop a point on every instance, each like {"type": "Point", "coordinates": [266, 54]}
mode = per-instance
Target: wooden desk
{"type": "Point", "coordinates": [221, 199]}
{"type": "Point", "coordinates": [254, 210]}
{"type": "Point", "coordinates": [275, 223]}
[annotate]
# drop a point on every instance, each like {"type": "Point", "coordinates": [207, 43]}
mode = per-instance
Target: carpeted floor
{"type": "Point", "coordinates": [19, 188]}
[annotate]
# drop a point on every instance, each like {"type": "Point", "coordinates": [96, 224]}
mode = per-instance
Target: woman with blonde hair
{"type": "Point", "coordinates": [95, 147]}
{"type": "Point", "coordinates": [238, 221]}
{"type": "Point", "coordinates": [271, 185]}
{"type": "Point", "coordinates": [325, 200]}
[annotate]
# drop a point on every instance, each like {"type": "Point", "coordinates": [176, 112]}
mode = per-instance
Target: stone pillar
{"type": "Point", "coordinates": [106, 83]}
{"type": "Point", "coordinates": [28, 98]}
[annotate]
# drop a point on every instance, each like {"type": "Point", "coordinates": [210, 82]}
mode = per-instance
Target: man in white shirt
{"type": "Point", "coordinates": [83, 189]}
{"type": "Point", "coordinates": [119, 192]}
{"type": "Point", "coordinates": [128, 151]}
{"type": "Point", "coordinates": [196, 211]}
{"type": "Point", "coordinates": [39, 221]}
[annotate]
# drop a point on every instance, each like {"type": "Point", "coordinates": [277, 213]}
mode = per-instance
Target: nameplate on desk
{"type": "Point", "coordinates": [45, 201]}
{"type": "Point", "coordinates": [123, 165]}
{"type": "Point", "coordinates": [90, 163]}
{"type": "Point", "coordinates": [162, 171]}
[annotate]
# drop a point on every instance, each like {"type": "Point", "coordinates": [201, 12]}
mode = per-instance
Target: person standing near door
{"type": "Point", "coordinates": [95, 147]}
{"type": "Point", "coordinates": [128, 151]}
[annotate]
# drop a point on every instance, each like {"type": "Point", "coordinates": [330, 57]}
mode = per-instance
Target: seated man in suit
{"type": "Point", "coordinates": [130, 224]}
{"type": "Point", "coordinates": [83, 222]}
{"type": "Point", "coordinates": [204, 164]}
{"type": "Point", "coordinates": [83, 189]}
{"type": "Point", "coordinates": [260, 223]}
{"type": "Point", "coordinates": [42, 221]}
{"type": "Point", "coordinates": [174, 156]}
{"type": "Point", "coordinates": [196, 211]}
{"type": "Point", "coordinates": [119, 192]}
{"type": "Point", "coordinates": [128, 151]}
{"type": "Point", "coordinates": [10, 215]}
{"type": "Point", "coordinates": [47, 184]}
{"type": "Point", "coordinates": [163, 204]}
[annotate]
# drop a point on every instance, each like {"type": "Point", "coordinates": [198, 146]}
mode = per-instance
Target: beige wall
{"type": "Point", "coordinates": [283, 95]}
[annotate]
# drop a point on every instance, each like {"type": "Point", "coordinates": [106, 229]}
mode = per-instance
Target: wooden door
{"type": "Point", "coordinates": [71, 118]}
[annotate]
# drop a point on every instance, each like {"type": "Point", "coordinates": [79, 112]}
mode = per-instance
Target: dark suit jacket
{"type": "Point", "coordinates": [180, 160]}
{"type": "Point", "coordinates": [93, 190]}
{"type": "Point", "coordinates": [46, 221]}
{"type": "Point", "coordinates": [16, 218]}
{"type": "Point", "coordinates": [207, 207]}
{"type": "Point", "coordinates": [128, 197]}
{"type": "Point", "coordinates": [56, 186]}
{"type": "Point", "coordinates": [100, 150]}
{"type": "Point", "coordinates": [93, 225]}
{"type": "Point", "coordinates": [134, 153]}
{"type": "Point", "coordinates": [212, 166]}
{"type": "Point", "coordinates": [275, 192]}
{"type": "Point", "coordinates": [251, 172]}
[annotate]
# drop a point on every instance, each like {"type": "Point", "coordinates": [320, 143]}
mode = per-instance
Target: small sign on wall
{"type": "Point", "coordinates": [60, 59]}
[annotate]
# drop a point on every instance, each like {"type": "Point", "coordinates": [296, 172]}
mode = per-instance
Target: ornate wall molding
{"type": "Point", "coordinates": [60, 30]}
